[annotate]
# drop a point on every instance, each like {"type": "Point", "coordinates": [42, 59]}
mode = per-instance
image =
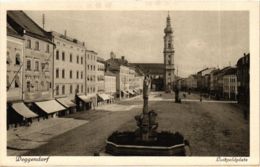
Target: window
{"type": "Point", "coordinates": [57, 90]}
{"type": "Point", "coordinates": [94, 68]}
{"type": "Point", "coordinates": [88, 67]}
{"type": "Point", "coordinates": [17, 59]}
{"type": "Point", "coordinates": [48, 85]}
{"type": "Point", "coordinates": [169, 62]}
{"type": "Point", "coordinates": [91, 67]}
{"type": "Point", "coordinates": [48, 48]}
{"type": "Point", "coordinates": [88, 90]}
{"type": "Point", "coordinates": [36, 66]}
{"type": "Point", "coordinates": [71, 57]}
{"type": "Point", "coordinates": [57, 73]}
{"type": "Point", "coordinates": [7, 81]}
{"type": "Point", "coordinates": [81, 60]}
{"type": "Point", "coordinates": [17, 82]}
{"type": "Point", "coordinates": [81, 74]}
{"type": "Point", "coordinates": [63, 73]}
{"type": "Point", "coordinates": [63, 89]}
{"type": "Point", "coordinates": [57, 55]}
{"type": "Point", "coordinates": [70, 74]}
{"type": "Point", "coordinates": [81, 88]}
{"type": "Point", "coordinates": [37, 47]}
{"type": "Point", "coordinates": [77, 59]}
{"type": "Point", "coordinates": [28, 86]}
{"type": "Point", "coordinates": [28, 43]}
{"type": "Point", "coordinates": [63, 56]}
{"type": "Point", "coordinates": [28, 65]}
{"type": "Point", "coordinates": [71, 88]}
{"type": "Point", "coordinates": [36, 85]}
{"type": "Point", "coordinates": [8, 59]}
{"type": "Point", "coordinates": [77, 74]}
{"type": "Point", "coordinates": [169, 45]}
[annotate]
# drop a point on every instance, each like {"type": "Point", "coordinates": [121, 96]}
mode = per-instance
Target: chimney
{"type": "Point", "coordinates": [65, 33]}
{"type": "Point", "coordinates": [244, 54]}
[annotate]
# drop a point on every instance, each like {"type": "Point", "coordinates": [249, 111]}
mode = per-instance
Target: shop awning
{"type": "Point", "coordinates": [23, 110]}
{"type": "Point", "coordinates": [50, 106]}
{"type": "Point", "coordinates": [66, 102]}
{"type": "Point", "coordinates": [131, 92]}
{"type": "Point", "coordinates": [136, 91]}
{"type": "Point", "coordinates": [124, 92]}
{"type": "Point", "coordinates": [104, 96]}
{"type": "Point", "coordinates": [85, 98]}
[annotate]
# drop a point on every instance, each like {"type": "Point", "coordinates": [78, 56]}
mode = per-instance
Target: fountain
{"type": "Point", "coordinates": [145, 140]}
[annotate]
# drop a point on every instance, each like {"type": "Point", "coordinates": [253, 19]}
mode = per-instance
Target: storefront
{"type": "Point", "coordinates": [49, 108]}
{"type": "Point", "coordinates": [19, 114]}
{"type": "Point", "coordinates": [68, 104]}
{"type": "Point", "coordinates": [103, 98]}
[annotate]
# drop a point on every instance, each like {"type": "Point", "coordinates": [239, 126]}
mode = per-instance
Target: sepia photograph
{"type": "Point", "coordinates": [129, 83]}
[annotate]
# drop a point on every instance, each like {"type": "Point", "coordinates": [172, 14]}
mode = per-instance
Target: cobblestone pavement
{"type": "Point", "coordinates": [213, 129]}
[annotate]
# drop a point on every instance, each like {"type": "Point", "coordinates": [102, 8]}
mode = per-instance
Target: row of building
{"type": "Point", "coordinates": [49, 73]}
{"type": "Point", "coordinates": [226, 83]}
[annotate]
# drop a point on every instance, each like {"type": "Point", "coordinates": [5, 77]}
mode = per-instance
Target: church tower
{"type": "Point", "coordinates": [168, 54]}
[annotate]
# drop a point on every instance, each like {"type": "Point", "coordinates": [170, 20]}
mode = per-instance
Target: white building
{"type": "Point", "coordinates": [230, 84]}
{"type": "Point", "coordinates": [69, 66]}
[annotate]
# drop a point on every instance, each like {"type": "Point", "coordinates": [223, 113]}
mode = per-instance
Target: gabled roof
{"type": "Point", "coordinates": [22, 23]}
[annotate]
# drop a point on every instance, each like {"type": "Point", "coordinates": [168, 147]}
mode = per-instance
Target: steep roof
{"type": "Point", "coordinates": [12, 32]}
{"type": "Point", "coordinates": [231, 71]}
{"type": "Point", "coordinates": [22, 23]}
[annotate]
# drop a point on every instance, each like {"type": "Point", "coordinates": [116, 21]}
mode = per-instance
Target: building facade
{"type": "Point", "coordinates": [100, 75]}
{"type": "Point", "coordinates": [192, 82]}
{"type": "Point", "coordinates": [38, 57]}
{"type": "Point", "coordinates": [168, 54]}
{"type": "Point", "coordinates": [14, 65]}
{"type": "Point", "coordinates": [69, 66]}
{"type": "Point", "coordinates": [91, 75]}
{"type": "Point", "coordinates": [110, 83]}
{"type": "Point", "coordinates": [243, 77]}
{"type": "Point", "coordinates": [230, 84]}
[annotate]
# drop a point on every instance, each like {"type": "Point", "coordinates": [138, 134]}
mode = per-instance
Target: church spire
{"type": "Point", "coordinates": [168, 28]}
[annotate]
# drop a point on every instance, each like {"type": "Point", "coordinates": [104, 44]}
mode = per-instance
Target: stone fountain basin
{"type": "Point", "coordinates": [126, 144]}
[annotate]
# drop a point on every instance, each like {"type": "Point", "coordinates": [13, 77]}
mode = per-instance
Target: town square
{"type": "Point", "coordinates": [124, 83]}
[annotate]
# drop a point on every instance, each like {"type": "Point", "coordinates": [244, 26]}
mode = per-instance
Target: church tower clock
{"type": "Point", "coordinates": [168, 53]}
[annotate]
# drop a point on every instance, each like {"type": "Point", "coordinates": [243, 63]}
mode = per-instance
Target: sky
{"type": "Point", "coordinates": [201, 38]}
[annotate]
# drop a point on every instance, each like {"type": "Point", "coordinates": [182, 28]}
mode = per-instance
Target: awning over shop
{"type": "Point", "coordinates": [136, 91]}
{"type": "Point", "coordinates": [66, 102]}
{"type": "Point", "coordinates": [124, 92]}
{"type": "Point", "coordinates": [23, 110]}
{"type": "Point", "coordinates": [85, 98]}
{"type": "Point", "coordinates": [131, 92]}
{"type": "Point", "coordinates": [104, 96]}
{"type": "Point", "coordinates": [50, 106]}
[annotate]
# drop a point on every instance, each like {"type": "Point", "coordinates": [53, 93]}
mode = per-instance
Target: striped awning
{"type": "Point", "coordinates": [23, 110]}
{"type": "Point", "coordinates": [50, 106]}
{"type": "Point", "coordinates": [66, 102]}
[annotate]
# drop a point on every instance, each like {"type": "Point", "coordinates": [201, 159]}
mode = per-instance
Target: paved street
{"type": "Point", "coordinates": [212, 128]}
